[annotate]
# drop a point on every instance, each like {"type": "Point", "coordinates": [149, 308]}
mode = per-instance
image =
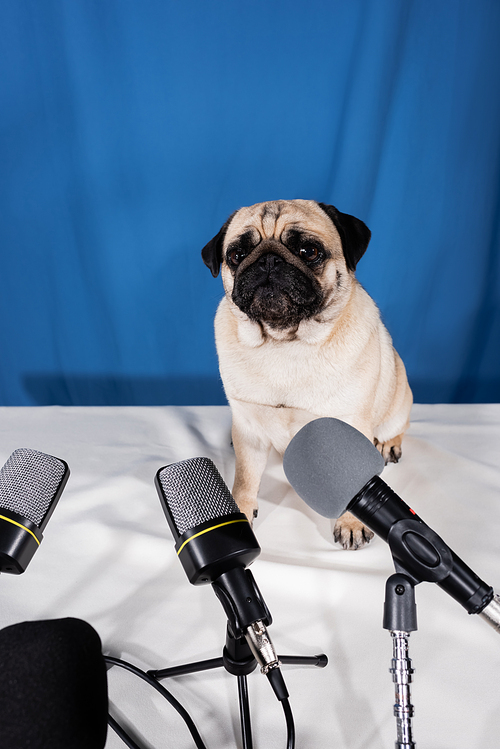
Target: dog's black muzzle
{"type": "Point", "coordinates": [277, 292]}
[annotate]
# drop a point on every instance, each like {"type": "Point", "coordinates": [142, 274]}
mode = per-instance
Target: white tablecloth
{"type": "Point", "coordinates": [107, 557]}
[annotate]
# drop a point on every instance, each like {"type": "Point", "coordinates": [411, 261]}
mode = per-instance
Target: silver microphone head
{"type": "Point", "coordinates": [211, 534]}
{"type": "Point", "coordinates": [194, 492]}
{"type": "Point", "coordinates": [29, 482]}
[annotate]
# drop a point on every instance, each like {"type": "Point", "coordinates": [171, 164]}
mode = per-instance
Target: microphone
{"type": "Point", "coordinates": [335, 468]}
{"type": "Point", "coordinates": [215, 542]}
{"type": "Point", "coordinates": [53, 690]}
{"type": "Point", "coordinates": [31, 483]}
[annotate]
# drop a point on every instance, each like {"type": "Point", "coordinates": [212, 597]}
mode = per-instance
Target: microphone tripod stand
{"type": "Point", "coordinates": [247, 645]}
{"type": "Point", "coordinates": [238, 660]}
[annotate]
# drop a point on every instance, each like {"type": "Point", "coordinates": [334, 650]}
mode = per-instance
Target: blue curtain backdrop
{"type": "Point", "coordinates": [130, 130]}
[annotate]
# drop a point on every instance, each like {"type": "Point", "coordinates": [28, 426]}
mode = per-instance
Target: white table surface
{"type": "Point", "coordinates": [107, 557]}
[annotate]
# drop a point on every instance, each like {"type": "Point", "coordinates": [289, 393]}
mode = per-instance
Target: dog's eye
{"type": "Point", "coordinates": [236, 256]}
{"type": "Point", "coordinates": [309, 252]}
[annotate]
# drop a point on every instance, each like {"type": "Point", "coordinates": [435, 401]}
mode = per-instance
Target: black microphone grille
{"type": "Point", "coordinates": [195, 493]}
{"type": "Point", "coordinates": [53, 691]}
{"type": "Point", "coordinates": [29, 481]}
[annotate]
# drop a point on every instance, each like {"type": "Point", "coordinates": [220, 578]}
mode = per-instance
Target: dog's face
{"type": "Point", "coordinates": [283, 262]}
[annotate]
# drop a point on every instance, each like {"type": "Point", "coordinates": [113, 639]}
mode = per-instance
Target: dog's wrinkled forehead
{"type": "Point", "coordinates": [272, 219]}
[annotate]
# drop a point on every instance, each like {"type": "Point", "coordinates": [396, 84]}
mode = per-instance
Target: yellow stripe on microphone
{"type": "Point", "coordinates": [9, 520]}
{"type": "Point", "coordinates": [212, 528]}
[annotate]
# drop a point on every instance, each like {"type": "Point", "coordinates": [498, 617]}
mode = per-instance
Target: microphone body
{"type": "Point", "coordinates": [334, 468]}
{"type": "Point", "coordinates": [31, 484]}
{"type": "Point", "coordinates": [215, 542]}
{"type": "Point", "coordinates": [210, 549]}
{"type": "Point", "coordinates": [211, 535]}
{"type": "Point", "coordinates": [417, 549]}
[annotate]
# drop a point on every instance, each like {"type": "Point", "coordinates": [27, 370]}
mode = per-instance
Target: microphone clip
{"type": "Point", "coordinates": [400, 610]}
{"type": "Point", "coordinates": [241, 600]}
{"type": "Point", "coordinates": [420, 554]}
{"type": "Point", "coordinates": [419, 551]}
{"type": "Point", "coordinates": [247, 614]}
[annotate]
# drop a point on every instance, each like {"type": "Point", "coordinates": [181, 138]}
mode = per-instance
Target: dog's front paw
{"type": "Point", "coordinates": [350, 532]}
{"type": "Point", "coordinates": [249, 508]}
{"type": "Point", "coordinates": [391, 450]}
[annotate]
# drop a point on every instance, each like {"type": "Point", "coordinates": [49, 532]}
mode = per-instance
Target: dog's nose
{"type": "Point", "coordinates": [270, 261]}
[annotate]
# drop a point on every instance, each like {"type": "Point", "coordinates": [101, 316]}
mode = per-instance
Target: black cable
{"type": "Point", "coordinates": [274, 676]}
{"type": "Point", "coordinates": [128, 740]}
{"type": "Point", "coordinates": [290, 727]}
{"type": "Point", "coordinates": [276, 680]}
{"type": "Point", "coordinates": [165, 693]}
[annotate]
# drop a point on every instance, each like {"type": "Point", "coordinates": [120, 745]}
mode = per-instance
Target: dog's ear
{"type": "Point", "coordinates": [212, 252]}
{"type": "Point", "coordinates": [354, 234]}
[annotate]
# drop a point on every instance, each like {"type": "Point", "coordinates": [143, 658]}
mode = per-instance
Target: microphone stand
{"type": "Point", "coordinates": [400, 618]}
{"type": "Point", "coordinates": [238, 660]}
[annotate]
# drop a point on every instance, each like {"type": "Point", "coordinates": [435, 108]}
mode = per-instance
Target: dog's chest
{"type": "Point", "coordinates": [327, 377]}
{"type": "Point", "coordinates": [288, 375]}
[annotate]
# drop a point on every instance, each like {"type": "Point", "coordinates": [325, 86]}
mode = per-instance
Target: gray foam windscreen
{"type": "Point", "coordinates": [328, 462]}
{"type": "Point", "coordinates": [195, 492]}
{"type": "Point", "coordinates": [29, 481]}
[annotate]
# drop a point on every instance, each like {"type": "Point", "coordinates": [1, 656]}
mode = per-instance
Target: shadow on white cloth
{"type": "Point", "coordinates": [108, 557]}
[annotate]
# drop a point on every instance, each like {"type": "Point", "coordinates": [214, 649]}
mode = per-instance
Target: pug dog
{"type": "Point", "coordinates": [298, 338]}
